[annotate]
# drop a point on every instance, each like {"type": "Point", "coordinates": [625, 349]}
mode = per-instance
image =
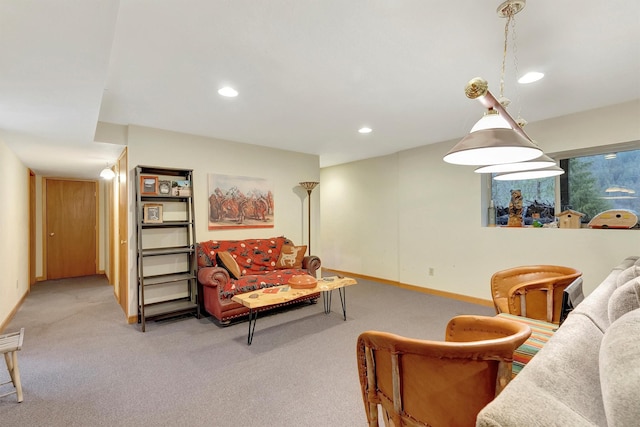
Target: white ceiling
{"type": "Point", "coordinates": [309, 72]}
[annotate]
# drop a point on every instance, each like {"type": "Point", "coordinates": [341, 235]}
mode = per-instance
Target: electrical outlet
{"type": "Point", "coordinates": [431, 271]}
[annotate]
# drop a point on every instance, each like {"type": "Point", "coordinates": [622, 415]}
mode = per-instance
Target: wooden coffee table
{"type": "Point", "coordinates": [266, 298]}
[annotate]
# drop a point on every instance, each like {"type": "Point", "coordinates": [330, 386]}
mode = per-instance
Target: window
{"type": "Point", "coordinates": [591, 184]}
{"type": "Point", "coordinates": [538, 199]}
{"type": "Point", "coordinates": [596, 183]}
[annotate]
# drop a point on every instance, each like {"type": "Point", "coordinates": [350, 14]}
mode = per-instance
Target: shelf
{"type": "Point", "coordinates": [169, 308]}
{"type": "Point", "coordinates": [167, 251]}
{"type": "Point", "coordinates": [167, 278]}
{"type": "Point", "coordinates": [167, 224]}
{"type": "Point", "coordinates": [164, 198]}
{"type": "Point", "coordinates": [178, 262]}
{"type": "Point", "coordinates": [155, 170]}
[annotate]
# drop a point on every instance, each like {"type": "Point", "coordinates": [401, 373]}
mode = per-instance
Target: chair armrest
{"type": "Point", "coordinates": [311, 263]}
{"type": "Point", "coordinates": [470, 328]}
{"type": "Point", "coordinates": [213, 277]}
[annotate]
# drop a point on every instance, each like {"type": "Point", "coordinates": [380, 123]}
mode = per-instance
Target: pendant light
{"type": "Point", "coordinates": [107, 173]}
{"type": "Point", "coordinates": [497, 138]}
{"type": "Point", "coordinates": [529, 174]}
{"type": "Point", "coordinates": [543, 161]}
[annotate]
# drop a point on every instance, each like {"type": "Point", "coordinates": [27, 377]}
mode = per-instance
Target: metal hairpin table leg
{"type": "Point", "coordinates": [343, 301]}
{"type": "Point", "coordinates": [326, 300]}
{"type": "Point", "coordinates": [253, 318]}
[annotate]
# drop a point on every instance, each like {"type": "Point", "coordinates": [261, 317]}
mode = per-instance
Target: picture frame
{"type": "Point", "coordinates": [152, 213]}
{"type": "Point", "coordinates": [181, 188]}
{"type": "Point", "coordinates": [164, 187]}
{"type": "Point", "coordinates": [149, 185]}
{"type": "Point", "coordinates": [240, 202]}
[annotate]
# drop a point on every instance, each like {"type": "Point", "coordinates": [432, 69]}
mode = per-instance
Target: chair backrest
{"type": "Point", "coordinates": [437, 383]}
{"type": "Point", "coordinates": [503, 282]}
{"type": "Point", "coordinates": [540, 299]}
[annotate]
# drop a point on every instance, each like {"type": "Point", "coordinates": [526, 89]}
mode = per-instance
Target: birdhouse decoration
{"type": "Point", "coordinates": [569, 219]}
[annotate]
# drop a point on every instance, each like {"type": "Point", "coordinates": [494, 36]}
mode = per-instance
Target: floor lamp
{"type": "Point", "coordinates": [309, 186]}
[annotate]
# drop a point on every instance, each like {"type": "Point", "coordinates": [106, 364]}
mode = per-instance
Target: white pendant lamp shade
{"type": "Point", "coordinates": [530, 174]}
{"type": "Point", "coordinates": [543, 161]}
{"type": "Point", "coordinates": [492, 147]}
{"type": "Point", "coordinates": [491, 120]}
{"type": "Point", "coordinates": [107, 173]}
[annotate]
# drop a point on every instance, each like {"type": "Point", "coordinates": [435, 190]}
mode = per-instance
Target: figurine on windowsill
{"type": "Point", "coordinates": [515, 209]}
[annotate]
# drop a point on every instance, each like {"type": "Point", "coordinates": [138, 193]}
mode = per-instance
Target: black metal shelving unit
{"type": "Point", "coordinates": [167, 282]}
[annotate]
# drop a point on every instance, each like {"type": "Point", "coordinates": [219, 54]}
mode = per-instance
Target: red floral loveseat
{"type": "Point", "coordinates": [230, 267]}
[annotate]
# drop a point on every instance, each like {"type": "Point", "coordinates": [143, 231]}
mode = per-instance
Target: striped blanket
{"type": "Point", "coordinates": [540, 333]}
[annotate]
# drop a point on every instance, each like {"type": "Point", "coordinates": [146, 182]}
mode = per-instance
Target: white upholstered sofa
{"type": "Point", "coordinates": [588, 373]}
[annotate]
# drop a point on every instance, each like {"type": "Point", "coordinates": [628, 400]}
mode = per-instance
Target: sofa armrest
{"type": "Point", "coordinates": [311, 263]}
{"type": "Point", "coordinates": [213, 277]}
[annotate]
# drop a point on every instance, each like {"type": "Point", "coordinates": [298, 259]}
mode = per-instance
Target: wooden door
{"type": "Point", "coordinates": [123, 247]}
{"type": "Point", "coordinates": [70, 228]}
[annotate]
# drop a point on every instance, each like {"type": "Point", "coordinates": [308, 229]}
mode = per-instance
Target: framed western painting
{"type": "Point", "coordinates": [240, 202]}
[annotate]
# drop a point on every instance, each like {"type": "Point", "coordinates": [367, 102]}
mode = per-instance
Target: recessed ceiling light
{"type": "Point", "coordinates": [530, 77]}
{"type": "Point", "coordinates": [229, 92]}
{"type": "Point", "coordinates": [365, 130]}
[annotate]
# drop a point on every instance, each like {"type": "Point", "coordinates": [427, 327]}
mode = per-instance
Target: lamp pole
{"type": "Point", "coordinates": [309, 186]}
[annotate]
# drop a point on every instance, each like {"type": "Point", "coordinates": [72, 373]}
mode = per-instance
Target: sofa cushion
{"type": "Point", "coordinates": [594, 305]}
{"type": "Point", "coordinates": [254, 256]}
{"type": "Point", "coordinates": [627, 274]}
{"type": "Point", "coordinates": [620, 370]}
{"type": "Point", "coordinates": [228, 262]}
{"type": "Point", "coordinates": [624, 299]}
{"type": "Point", "coordinates": [291, 256]}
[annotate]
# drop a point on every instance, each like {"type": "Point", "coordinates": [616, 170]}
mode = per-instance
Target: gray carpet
{"type": "Point", "coordinates": [82, 365]}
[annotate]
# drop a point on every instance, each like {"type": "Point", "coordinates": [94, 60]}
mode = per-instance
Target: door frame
{"type": "Point", "coordinates": [121, 233]}
{"type": "Point", "coordinates": [32, 228]}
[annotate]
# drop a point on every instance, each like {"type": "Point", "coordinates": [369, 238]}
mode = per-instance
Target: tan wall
{"type": "Point", "coordinates": [14, 232]}
{"type": "Point", "coordinates": [408, 212]}
{"type": "Point", "coordinates": [154, 147]}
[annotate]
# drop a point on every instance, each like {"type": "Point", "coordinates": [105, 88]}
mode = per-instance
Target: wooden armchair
{"type": "Point", "coordinates": [437, 383]}
{"type": "Point", "coordinates": [533, 291]}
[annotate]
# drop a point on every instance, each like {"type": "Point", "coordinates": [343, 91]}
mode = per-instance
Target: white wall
{"type": "Point", "coordinates": [411, 211]}
{"type": "Point", "coordinates": [285, 169]}
{"type": "Point", "coordinates": [14, 232]}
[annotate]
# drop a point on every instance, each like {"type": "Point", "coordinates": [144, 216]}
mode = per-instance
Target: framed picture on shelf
{"type": "Point", "coordinates": [152, 213]}
{"type": "Point", "coordinates": [181, 188]}
{"type": "Point", "coordinates": [149, 185]}
{"type": "Point", "coordinates": [164, 187]}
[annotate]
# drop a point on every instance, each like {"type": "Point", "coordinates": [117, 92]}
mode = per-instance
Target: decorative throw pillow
{"type": "Point", "coordinates": [291, 256]}
{"type": "Point", "coordinates": [226, 261]}
{"type": "Point", "coordinates": [624, 299]}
